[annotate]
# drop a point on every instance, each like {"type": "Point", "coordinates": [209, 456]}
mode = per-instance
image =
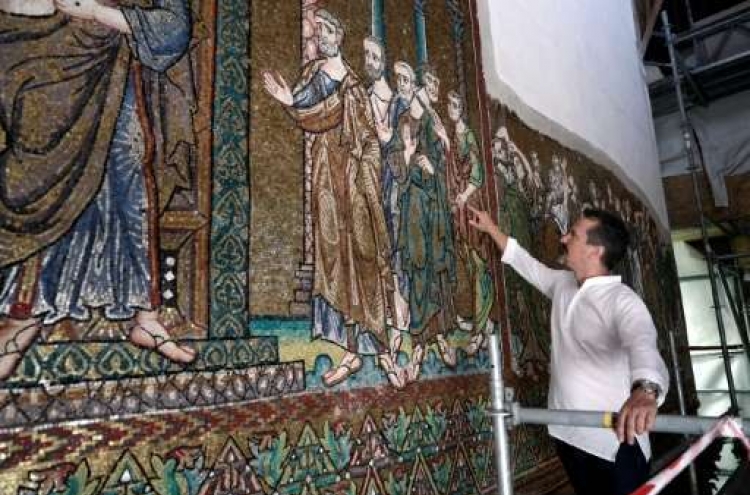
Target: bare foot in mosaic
{"type": "Point", "coordinates": [396, 376]}
{"type": "Point", "coordinates": [150, 333]}
{"type": "Point", "coordinates": [414, 367]}
{"type": "Point", "coordinates": [447, 353]}
{"type": "Point", "coordinates": [350, 364]}
{"type": "Point", "coordinates": [15, 338]}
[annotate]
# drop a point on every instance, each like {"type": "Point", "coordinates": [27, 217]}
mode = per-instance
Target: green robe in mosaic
{"type": "Point", "coordinates": [426, 237]}
{"type": "Point", "coordinates": [474, 278]}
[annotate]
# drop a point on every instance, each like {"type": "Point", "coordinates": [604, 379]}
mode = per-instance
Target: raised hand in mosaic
{"type": "Point", "coordinates": [353, 286]}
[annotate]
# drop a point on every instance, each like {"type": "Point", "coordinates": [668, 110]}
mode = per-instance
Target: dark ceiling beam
{"type": "Point", "coordinates": [648, 29]}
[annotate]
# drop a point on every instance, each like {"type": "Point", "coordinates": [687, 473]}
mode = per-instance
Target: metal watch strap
{"type": "Point", "coordinates": [647, 386]}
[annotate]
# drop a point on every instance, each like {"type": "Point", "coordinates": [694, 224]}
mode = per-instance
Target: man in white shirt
{"type": "Point", "coordinates": [604, 355]}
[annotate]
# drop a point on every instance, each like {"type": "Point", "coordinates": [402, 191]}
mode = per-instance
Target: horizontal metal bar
{"type": "Point", "coordinates": [714, 27]}
{"type": "Point", "coordinates": [731, 256]}
{"type": "Point", "coordinates": [665, 423]}
{"type": "Point", "coordinates": [720, 391]}
{"type": "Point", "coordinates": [731, 347]}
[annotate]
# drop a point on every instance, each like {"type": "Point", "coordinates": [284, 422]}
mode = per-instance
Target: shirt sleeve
{"type": "Point", "coordinates": [638, 335]}
{"type": "Point", "coordinates": [532, 270]}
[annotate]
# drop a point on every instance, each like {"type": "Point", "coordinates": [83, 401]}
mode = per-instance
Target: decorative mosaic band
{"type": "Point", "coordinates": [359, 442]}
{"type": "Point", "coordinates": [73, 362]}
{"type": "Point", "coordinates": [110, 399]}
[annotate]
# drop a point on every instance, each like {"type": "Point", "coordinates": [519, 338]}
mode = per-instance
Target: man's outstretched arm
{"type": "Point", "coordinates": [532, 270]}
{"type": "Point", "coordinates": [481, 221]}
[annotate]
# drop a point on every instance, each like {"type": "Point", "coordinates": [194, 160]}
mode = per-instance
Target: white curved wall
{"type": "Point", "coordinates": [571, 69]}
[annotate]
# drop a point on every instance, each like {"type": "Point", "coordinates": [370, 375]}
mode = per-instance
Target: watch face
{"type": "Point", "coordinates": [648, 387]}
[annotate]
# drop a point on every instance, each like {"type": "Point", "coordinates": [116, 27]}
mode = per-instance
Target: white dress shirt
{"type": "Point", "coordinates": [603, 339]}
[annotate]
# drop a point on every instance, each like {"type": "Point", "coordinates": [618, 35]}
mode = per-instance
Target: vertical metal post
{"type": "Point", "coordinates": [681, 401]}
{"type": "Point", "coordinates": [742, 304]}
{"type": "Point", "coordinates": [734, 305]}
{"type": "Point", "coordinates": [497, 391]}
{"type": "Point", "coordinates": [687, 139]}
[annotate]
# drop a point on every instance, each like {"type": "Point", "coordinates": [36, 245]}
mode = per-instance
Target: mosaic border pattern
{"type": "Point", "coordinates": [111, 399]}
{"type": "Point", "coordinates": [70, 363]}
{"type": "Point", "coordinates": [230, 201]}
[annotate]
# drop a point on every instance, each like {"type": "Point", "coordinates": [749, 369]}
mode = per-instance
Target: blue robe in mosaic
{"type": "Point", "coordinates": [103, 259]}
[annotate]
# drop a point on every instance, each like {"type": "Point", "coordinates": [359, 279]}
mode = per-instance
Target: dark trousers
{"type": "Point", "coordinates": [592, 475]}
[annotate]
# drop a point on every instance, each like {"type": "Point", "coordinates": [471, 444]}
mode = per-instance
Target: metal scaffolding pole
{"type": "Point", "coordinates": [737, 311]}
{"type": "Point", "coordinates": [497, 390]}
{"type": "Point", "coordinates": [681, 401]}
{"type": "Point", "coordinates": [665, 423]}
{"type": "Point", "coordinates": [694, 168]}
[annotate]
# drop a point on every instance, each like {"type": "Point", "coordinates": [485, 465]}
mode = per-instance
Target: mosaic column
{"type": "Point", "coordinates": [420, 33]}
{"type": "Point", "coordinates": [458, 29]}
{"type": "Point", "coordinates": [300, 305]}
{"type": "Point", "coordinates": [230, 195]}
{"type": "Point", "coordinates": [378, 20]}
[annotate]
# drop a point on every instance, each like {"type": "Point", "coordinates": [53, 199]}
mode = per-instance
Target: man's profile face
{"type": "Point", "coordinates": [578, 251]}
{"type": "Point", "coordinates": [374, 63]}
{"type": "Point", "coordinates": [432, 85]}
{"type": "Point", "coordinates": [454, 109]}
{"type": "Point", "coordinates": [404, 84]}
{"type": "Point", "coordinates": [500, 148]}
{"type": "Point", "coordinates": [328, 38]}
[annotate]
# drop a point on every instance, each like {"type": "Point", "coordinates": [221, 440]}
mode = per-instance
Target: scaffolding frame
{"type": "Point", "coordinates": [716, 264]}
{"type": "Point", "coordinates": [506, 413]}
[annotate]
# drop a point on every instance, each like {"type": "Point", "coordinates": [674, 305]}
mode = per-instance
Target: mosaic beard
{"type": "Point", "coordinates": [373, 72]}
{"type": "Point", "coordinates": [327, 49]}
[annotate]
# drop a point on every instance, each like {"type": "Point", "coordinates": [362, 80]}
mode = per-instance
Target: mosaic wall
{"type": "Point", "coordinates": [542, 189]}
{"type": "Point", "coordinates": [235, 255]}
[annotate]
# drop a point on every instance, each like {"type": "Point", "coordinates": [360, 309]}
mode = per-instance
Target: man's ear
{"type": "Point", "coordinates": [600, 250]}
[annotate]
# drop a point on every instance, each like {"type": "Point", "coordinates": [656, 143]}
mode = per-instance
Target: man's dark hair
{"type": "Point", "coordinates": [610, 232]}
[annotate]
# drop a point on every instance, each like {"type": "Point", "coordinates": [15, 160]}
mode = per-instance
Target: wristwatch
{"type": "Point", "coordinates": [647, 386]}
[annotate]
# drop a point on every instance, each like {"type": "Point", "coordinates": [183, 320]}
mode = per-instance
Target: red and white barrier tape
{"type": "Point", "coordinates": [725, 427]}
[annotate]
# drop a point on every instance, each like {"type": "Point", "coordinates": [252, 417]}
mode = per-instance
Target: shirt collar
{"type": "Point", "coordinates": [601, 280]}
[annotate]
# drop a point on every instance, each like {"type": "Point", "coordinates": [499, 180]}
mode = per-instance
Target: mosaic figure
{"type": "Point", "coordinates": [426, 235]}
{"type": "Point", "coordinates": [465, 181]}
{"type": "Point", "coordinates": [85, 179]}
{"type": "Point", "coordinates": [558, 198]}
{"type": "Point", "coordinates": [528, 328]}
{"type": "Point", "coordinates": [386, 110]}
{"type": "Point", "coordinates": [353, 279]}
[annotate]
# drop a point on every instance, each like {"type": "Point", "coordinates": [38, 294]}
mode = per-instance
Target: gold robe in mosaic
{"type": "Point", "coordinates": [352, 272]}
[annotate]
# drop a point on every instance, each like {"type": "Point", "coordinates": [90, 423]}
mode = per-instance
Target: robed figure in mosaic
{"type": "Point", "coordinates": [95, 104]}
{"type": "Point", "coordinates": [353, 279]}
{"type": "Point", "coordinates": [426, 238]}
{"type": "Point", "coordinates": [465, 182]}
{"type": "Point", "coordinates": [529, 335]}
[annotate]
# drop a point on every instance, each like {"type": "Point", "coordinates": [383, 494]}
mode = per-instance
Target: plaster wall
{"type": "Point", "coordinates": [572, 71]}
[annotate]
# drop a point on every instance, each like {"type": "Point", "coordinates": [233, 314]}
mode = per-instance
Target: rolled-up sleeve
{"type": "Point", "coordinates": [638, 335]}
{"type": "Point", "coordinates": [532, 270]}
